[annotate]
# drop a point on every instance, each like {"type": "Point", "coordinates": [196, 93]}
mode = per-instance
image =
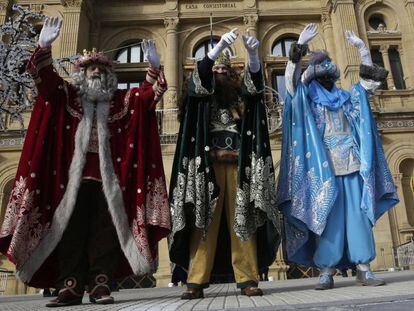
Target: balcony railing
{"type": "Point", "coordinates": [405, 254]}
{"type": "Point", "coordinates": [168, 125]}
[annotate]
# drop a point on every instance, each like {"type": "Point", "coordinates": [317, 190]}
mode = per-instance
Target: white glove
{"type": "Point", "coordinates": [226, 40]}
{"type": "Point", "coordinates": [50, 31]}
{"type": "Point", "coordinates": [252, 46]}
{"type": "Point", "coordinates": [308, 33]}
{"type": "Point", "coordinates": [358, 43]}
{"type": "Point", "coordinates": [150, 53]}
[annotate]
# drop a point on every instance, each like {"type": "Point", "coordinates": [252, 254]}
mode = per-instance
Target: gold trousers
{"type": "Point", "coordinates": [202, 251]}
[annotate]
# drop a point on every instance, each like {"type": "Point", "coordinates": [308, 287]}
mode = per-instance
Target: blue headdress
{"type": "Point", "coordinates": [320, 65]}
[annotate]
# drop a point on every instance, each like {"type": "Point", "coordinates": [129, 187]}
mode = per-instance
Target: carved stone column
{"type": "Point", "coordinates": [250, 22]}
{"type": "Point", "coordinates": [409, 6]}
{"type": "Point", "coordinates": [171, 62]}
{"type": "Point", "coordinates": [4, 5]}
{"type": "Point", "coordinates": [328, 33]}
{"type": "Point", "coordinates": [387, 65]}
{"type": "Point", "coordinates": [70, 29]}
{"type": "Point", "coordinates": [343, 18]}
{"type": "Point", "coordinates": [405, 67]}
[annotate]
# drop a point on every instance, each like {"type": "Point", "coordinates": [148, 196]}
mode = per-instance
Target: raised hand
{"type": "Point", "coordinates": [308, 33]}
{"type": "Point", "coordinates": [358, 43]}
{"type": "Point", "coordinates": [50, 31]}
{"type": "Point", "coordinates": [252, 46]}
{"type": "Point", "coordinates": [354, 39]}
{"type": "Point", "coordinates": [226, 40]}
{"type": "Point", "coordinates": [150, 52]}
{"type": "Point", "coordinates": [251, 43]}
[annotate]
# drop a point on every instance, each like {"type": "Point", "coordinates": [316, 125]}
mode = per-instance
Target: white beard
{"type": "Point", "coordinates": [95, 89]}
{"type": "Point", "coordinates": [94, 92]}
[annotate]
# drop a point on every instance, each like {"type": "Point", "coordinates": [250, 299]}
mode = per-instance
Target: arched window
{"type": "Point", "coordinates": [282, 46]}
{"type": "Point", "coordinates": [376, 20]}
{"type": "Point", "coordinates": [130, 54]}
{"type": "Point", "coordinates": [129, 75]}
{"type": "Point", "coordinates": [204, 47]}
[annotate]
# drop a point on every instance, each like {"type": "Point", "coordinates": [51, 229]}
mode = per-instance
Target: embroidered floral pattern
{"type": "Point", "coordinates": [157, 204]}
{"type": "Point", "coordinates": [199, 88]}
{"type": "Point", "coordinates": [140, 233]}
{"type": "Point", "coordinates": [257, 200]}
{"type": "Point", "coordinates": [313, 197]}
{"type": "Point", "coordinates": [191, 189]}
{"type": "Point", "coordinates": [22, 221]}
{"type": "Point", "coordinates": [248, 81]}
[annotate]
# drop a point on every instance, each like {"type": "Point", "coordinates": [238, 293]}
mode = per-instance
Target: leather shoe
{"type": "Point", "coordinates": [193, 293]}
{"type": "Point", "coordinates": [101, 295]}
{"type": "Point", "coordinates": [66, 297]}
{"type": "Point", "coordinates": [251, 291]}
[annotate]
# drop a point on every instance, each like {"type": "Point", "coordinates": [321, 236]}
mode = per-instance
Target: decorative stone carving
{"type": "Point", "coordinates": [72, 3]}
{"type": "Point", "coordinates": [170, 99]}
{"type": "Point", "coordinates": [250, 20]}
{"type": "Point", "coordinates": [395, 124]}
{"type": "Point", "coordinates": [326, 18]}
{"type": "Point", "coordinates": [171, 23]}
{"type": "Point", "coordinates": [11, 142]}
{"type": "Point", "coordinates": [38, 8]}
{"type": "Point", "coordinates": [3, 5]}
{"type": "Point", "coordinates": [172, 5]}
{"type": "Point", "coordinates": [250, 3]}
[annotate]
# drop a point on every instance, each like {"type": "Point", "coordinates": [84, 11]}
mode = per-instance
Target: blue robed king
{"type": "Point", "coordinates": [329, 212]}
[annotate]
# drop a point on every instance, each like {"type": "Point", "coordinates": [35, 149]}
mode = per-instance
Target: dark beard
{"type": "Point", "coordinates": [327, 83]}
{"type": "Point", "coordinates": [226, 90]}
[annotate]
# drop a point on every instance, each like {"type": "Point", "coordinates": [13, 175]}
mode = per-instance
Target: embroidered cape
{"type": "Point", "coordinates": [50, 172]}
{"type": "Point", "coordinates": [307, 188]}
{"type": "Point", "coordinates": [193, 190]}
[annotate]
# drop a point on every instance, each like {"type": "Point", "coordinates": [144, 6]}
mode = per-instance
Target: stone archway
{"type": "Point", "coordinates": [407, 183]}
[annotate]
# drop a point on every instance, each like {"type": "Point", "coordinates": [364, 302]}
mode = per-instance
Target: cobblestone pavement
{"type": "Point", "coordinates": [397, 295]}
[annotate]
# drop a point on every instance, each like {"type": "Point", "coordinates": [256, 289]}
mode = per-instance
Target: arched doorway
{"type": "Point", "coordinates": [407, 181]}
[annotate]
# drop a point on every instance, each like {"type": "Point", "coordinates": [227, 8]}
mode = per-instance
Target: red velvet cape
{"type": "Point", "coordinates": [43, 175]}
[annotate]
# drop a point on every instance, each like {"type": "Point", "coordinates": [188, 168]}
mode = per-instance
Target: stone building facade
{"type": "Point", "coordinates": [182, 33]}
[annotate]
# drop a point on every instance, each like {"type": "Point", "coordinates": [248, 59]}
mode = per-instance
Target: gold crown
{"type": "Point", "coordinates": [93, 57]}
{"type": "Point", "coordinates": [223, 59]}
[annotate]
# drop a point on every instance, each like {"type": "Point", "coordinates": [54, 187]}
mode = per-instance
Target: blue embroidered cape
{"type": "Point", "coordinates": [307, 187]}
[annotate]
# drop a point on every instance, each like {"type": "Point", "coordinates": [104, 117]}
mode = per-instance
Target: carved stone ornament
{"type": "Point", "coordinates": [72, 3]}
{"type": "Point", "coordinates": [250, 3]}
{"type": "Point", "coordinates": [171, 23]}
{"type": "Point", "coordinates": [36, 7]}
{"type": "Point", "coordinates": [326, 18]}
{"type": "Point", "coordinates": [171, 5]}
{"type": "Point", "coordinates": [250, 20]}
{"type": "Point", "coordinates": [3, 5]}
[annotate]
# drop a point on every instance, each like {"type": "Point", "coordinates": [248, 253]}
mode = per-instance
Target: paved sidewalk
{"type": "Point", "coordinates": [279, 295]}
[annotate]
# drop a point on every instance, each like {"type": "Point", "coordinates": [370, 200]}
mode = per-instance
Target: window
{"type": "Point", "coordinates": [131, 54]}
{"type": "Point", "coordinates": [377, 59]}
{"type": "Point", "coordinates": [130, 67]}
{"type": "Point", "coordinates": [376, 20]}
{"type": "Point", "coordinates": [204, 47]}
{"type": "Point", "coordinates": [282, 47]}
{"type": "Point", "coordinates": [128, 85]}
{"type": "Point", "coordinates": [278, 83]}
{"type": "Point", "coordinates": [396, 69]}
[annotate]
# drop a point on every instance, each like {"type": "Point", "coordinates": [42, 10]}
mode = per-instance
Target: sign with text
{"type": "Point", "coordinates": [209, 6]}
